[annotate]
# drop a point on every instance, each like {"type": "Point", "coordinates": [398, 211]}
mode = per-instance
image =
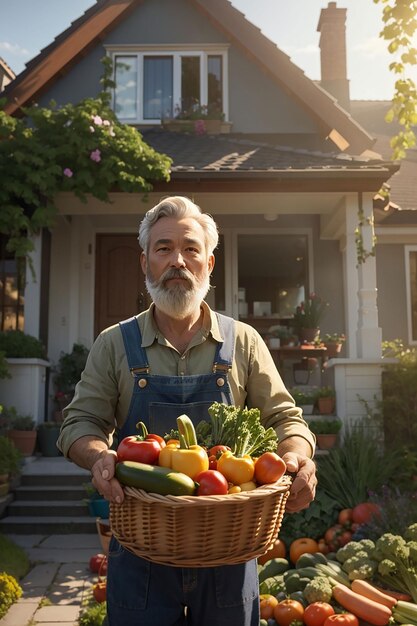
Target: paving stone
{"type": "Point", "coordinates": [57, 613]}
{"type": "Point", "coordinates": [19, 614]}
{"type": "Point", "coordinates": [40, 576]}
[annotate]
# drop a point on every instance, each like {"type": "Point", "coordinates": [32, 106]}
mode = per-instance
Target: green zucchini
{"type": "Point", "coordinates": [154, 479]}
{"type": "Point", "coordinates": [273, 567]}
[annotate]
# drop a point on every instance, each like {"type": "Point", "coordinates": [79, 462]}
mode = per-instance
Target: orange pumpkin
{"type": "Point", "coordinates": [301, 546]}
{"type": "Point", "coordinates": [278, 551]}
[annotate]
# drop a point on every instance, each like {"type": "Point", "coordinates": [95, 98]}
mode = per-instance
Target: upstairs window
{"type": "Point", "coordinates": [164, 84]}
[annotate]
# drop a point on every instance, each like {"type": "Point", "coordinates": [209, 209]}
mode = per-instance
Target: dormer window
{"type": "Point", "coordinates": [160, 83]}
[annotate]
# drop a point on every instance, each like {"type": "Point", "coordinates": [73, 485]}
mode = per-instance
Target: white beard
{"type": "Point", "coordinates": [178, 301]}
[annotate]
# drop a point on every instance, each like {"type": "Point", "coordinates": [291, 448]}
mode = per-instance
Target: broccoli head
{"type": "Point", "coordinates": [318, 589]}
{"type": "Point", "coordinates": [348, 550]}
{"type": "Point", "coordinates": [411, 532]}
{"type": "Point", "coordinates": [386, 567]}
{"type": "Point", "coordinates": [367, 545]}
{"type": "Point", "coordinates": [391, 546]}
{"type": "Point", "coordinates": [412, 546]}
{"type": "Point", "coordinates": [360, 566]}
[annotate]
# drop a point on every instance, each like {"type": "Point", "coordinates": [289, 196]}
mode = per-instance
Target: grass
{"type": "Point", "coordinates": [13, 559]}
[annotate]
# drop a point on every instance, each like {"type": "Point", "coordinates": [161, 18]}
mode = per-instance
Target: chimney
{"type": "Point", "coordinates": [332, 29]}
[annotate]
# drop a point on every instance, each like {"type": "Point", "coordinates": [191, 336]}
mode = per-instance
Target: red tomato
{"type": "Point", "coordinates": [217, 451]}
{"type": "Point", "coordinates": [267, 604]}
{"type": "Point", "coordinates": [342, 619]}
{"type": "Point", "coordinates": [211, 482]}
{"type": "Point", "coordinates": [323, 547]}
{"type": "Point", "coordinates": [345, 517]}
{"type": "Point", "coordinates": [287, 611]}
{"type": "Point", "coordinates": [212, 462]}
{"type": "Point", "coordinates": [332, 533]}
{"type": "Point", "coordinates": [315, 614]}
{"type": "Point", "coordinates": [96, 562]}
{"type": "Point", "coordinates": [364, 512]}
{"type": "Point", "coordinates": [99, 591]}
{"type": "Point", "coordinates": [269, 468]}
{"type": "Point", "coordinates": [134, 448]}
{"type": "Point", "coordinates": [344, 538]}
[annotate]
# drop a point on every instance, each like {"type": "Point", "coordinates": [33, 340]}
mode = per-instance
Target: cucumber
{"type": "Point", "coordinates": [309, 559]}
{"type": "Point", "coordinates": [154, 479]}
{"type": "Point", "coordinates": [273, 568]}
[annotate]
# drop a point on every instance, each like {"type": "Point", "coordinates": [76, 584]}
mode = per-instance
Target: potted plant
{"type": "Point", "coordinates": [48, 433]}
{"type": "Point", "coordinates": [97, 505]}
{"type": "Point", "coordinates": [326, 397]}
{"type": "Point", "coordinates": [20, 430]}
{"type": "Point", "coordinates": [333, 342]}
{"type": "Point", "coordinates": [280, 336]}
{"type": "Point", "coordinates": [326, 431]}
{"type": "Point", "coordinates": [198, 118]}
{"type": "Point", "coordinates": [304, 398]}
{"type": "Point", "coordinates": [25, 357]}
{"type": "Point", "coordinates": [67, 374]}
{"type": "Point", "coordinates": [307, 317]}
{"type": "Point", "coordinates": [10, 458]}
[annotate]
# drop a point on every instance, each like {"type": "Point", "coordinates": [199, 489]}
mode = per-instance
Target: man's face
{"type": "Point", "coordinates": [177, 266]}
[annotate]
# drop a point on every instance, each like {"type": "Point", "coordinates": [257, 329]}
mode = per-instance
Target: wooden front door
{"type": "Point", "coordinates": [120, 283]}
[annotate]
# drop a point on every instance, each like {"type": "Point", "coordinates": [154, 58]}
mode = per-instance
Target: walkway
{"type": "Point", "coordinates": [60, 581]}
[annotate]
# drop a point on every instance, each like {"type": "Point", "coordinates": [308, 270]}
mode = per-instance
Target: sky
{"type": "Point", "coordinates": [27, 26]}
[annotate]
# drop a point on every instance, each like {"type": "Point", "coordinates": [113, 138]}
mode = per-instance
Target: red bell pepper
{"type": "Point", "coordinates": [143, 448]}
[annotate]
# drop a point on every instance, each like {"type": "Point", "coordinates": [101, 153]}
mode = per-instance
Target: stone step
{"type": "Point", "coordinates": [47, 492]}
{"type": "Point", "coordinates": [47, 508]}
{"type": "Point", "coordinates": [42, 480]}
{"type": "Point", "coordinates": [57, 525]}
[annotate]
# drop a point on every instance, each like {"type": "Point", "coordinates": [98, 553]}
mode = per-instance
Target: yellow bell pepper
{"type": "Point", "coordinates": [165, 459]}
{"type": "Point", "coordinates": [187, 457]}
{"type": "Point", "coordinates": [237, 470]}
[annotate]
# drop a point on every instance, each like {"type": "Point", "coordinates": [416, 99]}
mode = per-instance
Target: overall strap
{"type": "Point", "coordinates": [132, 339]}
{"type": "Point", "coordinates": [225, 351]}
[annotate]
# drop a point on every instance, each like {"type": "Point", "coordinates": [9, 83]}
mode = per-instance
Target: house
{"type": "Point", "coordinates": [289, 178]}
{"type": "Point", "coordinates": [6, 74]}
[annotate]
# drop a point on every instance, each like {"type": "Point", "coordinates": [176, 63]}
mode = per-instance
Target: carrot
{"type": "Point", "coordinates": [364, 608]}
{"type": "Point", "coordinates": [369, 591]}
{"type": "Point", "coordinates": [397, 595]}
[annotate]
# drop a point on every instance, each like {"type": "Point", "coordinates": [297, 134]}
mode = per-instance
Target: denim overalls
{"type": "Point", "coordinates": [143, 593]}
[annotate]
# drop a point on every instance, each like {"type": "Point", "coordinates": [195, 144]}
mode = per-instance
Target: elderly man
{"type": "Point", "coordinates": [179, 357]}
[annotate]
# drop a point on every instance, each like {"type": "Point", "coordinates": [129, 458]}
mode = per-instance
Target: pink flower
{"type": "Point", "coordinates": [68, 173]}
{"type": "Point", "coordinates": [97, 120]}
{"type": "Point", "coordinates": [96, 156]}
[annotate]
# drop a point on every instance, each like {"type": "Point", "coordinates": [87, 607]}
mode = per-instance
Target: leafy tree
{"type": "Point", "coordinates": [400, 24]}
{"type": "Point", "coordinates": [80, 148]}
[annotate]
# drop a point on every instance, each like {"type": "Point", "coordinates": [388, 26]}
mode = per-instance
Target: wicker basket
{"type": "Point", "coordinates": [203, 531]}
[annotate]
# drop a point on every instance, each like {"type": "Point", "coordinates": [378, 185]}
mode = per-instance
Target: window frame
{"type": "Point", "coordinates": [407, 251]}
{"type": "Point", "coordinates": [201, 51]}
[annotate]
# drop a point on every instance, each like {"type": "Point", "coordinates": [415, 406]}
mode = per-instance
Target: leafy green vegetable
{"type": "Point", "coordinates": [241, 430]}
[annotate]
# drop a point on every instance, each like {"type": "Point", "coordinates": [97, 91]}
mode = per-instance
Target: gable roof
{"type": "Point", "coordinates": [102, 17]}
{"type": "Point", "coordinates": [402, 186]}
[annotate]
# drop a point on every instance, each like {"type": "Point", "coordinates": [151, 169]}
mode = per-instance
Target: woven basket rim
{"type": "Point", "coordinates": [281, 485]}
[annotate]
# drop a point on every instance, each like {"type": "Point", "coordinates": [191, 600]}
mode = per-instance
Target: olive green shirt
{"type": "Point", "coordinates": [103, 395]}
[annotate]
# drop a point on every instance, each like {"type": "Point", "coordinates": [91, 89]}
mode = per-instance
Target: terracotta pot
{"type": "Point", "coordinates": [326, 405]}
{"type": "Point", "coordinates": [333, 349]}
{"type": "Point", "coordinates": [24, 440]}
{"type": "Point", "coordinates": [326, 442]}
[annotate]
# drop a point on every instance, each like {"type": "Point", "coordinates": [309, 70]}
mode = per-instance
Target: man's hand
{"type": "Point", "coordinates": [303, 488]}
{"type": "Point", "coordinates": [103, 477]}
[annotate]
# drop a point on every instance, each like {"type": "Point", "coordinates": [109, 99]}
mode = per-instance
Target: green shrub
{"type": "Point", "coordinates": [10, 591]}
{"type": "Point", "coordinates": [313, 521]}
{"type": "Point", "coordinates": [11, 419]}
{"type": "Point", "coordinates": [93, 615]}
{"type": "Point", "coordinates": [16, 344]}
{"type": "Point", "coordinates": [10, 457]}
{"type": "Point", "coordinates": [69, 369]}
{"type": "Point", "coordinates": [13, 559]}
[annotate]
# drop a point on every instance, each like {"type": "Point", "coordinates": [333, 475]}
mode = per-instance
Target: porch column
{"type": "Point", "coordinates": [33, 290]}
{"type": "Point", "coordinates": [369, 334]}
{"type": "Point", "coordinates": [350, 276]}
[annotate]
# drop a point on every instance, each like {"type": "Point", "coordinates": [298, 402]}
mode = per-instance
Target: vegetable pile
{"type": "Point", "coordinates": [231, 453]}
{"type": "Point", "coordinates": [370, 581]}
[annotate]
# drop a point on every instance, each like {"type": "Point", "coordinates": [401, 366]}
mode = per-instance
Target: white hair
{"type": "Point", "coordinates": [179, 207]}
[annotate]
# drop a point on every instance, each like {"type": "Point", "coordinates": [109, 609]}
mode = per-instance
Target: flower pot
{"type": "Point", "coordinates": [274, 343]}
{"type": "Point", "coordinates": [4, 489]}
{"type": "Point", "coordinates": [24, 440]}
{"type": "Point", "coordinates": [99, 508]}
{"type": "Point", "coordinates": [47, 438]}
{"type": "Point", "coordinates": [307, 408]}
{"type": "Point", "coordinates": [326, 405]}
{"type": "Point", "coordinates": [333, 349]}
{"type": "Point", "coordinates": [326, 442]}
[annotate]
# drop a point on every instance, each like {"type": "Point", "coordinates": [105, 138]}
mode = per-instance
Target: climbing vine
{"type": "Point", "coordinates": [400, 25]}
{"type": "Point", "coordinates": [80, 148]}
